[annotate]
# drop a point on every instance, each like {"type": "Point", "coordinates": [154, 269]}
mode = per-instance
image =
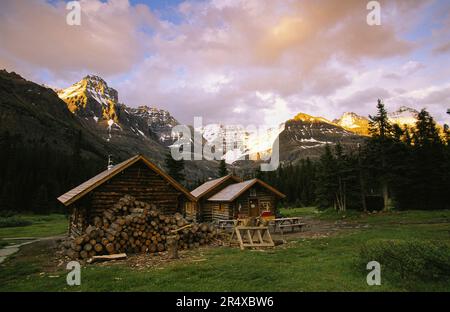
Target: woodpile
{"type": "Point", "coordinates": [132, 226]}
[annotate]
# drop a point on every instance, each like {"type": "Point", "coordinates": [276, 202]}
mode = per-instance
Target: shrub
{"type": "Point", "coordinates": [13, 221]}
{"type": "Point", "coordinates": [332, 214]}
{"type": "Point", "coordinates": [411, 259]}
{"type": "Point", "coordinates": [7, 213]}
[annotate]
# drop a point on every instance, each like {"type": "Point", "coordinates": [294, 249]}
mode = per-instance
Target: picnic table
{"type": "Point", "coordinates": [226, 224]}
{"type": "Point", "coordinates": [280, 224]}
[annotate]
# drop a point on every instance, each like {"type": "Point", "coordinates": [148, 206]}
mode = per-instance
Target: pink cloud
{"type": "Point", "coordinates": [108, 41]}
{"type": "Point", "coordinates": [308, 54]}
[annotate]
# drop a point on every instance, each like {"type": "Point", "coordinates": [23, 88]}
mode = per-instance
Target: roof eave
{"type": "Point", "coordinates": [262, 183]}
{"type": "Point", "coordinates": [100, 182]}
{"type": "Point", "coordinates": [229, 176]}
{"type": "Point", "coordinates": [132, 161]}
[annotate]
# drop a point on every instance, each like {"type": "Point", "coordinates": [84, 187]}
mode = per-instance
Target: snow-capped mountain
{"type": "Point", "coordinates": [239, 142]}
{"type": "Point", "coordinates": [360, 124]}
{"type": "Point", "coordinates": [354, 123]}
{"type": "Point", "coordinates": [159, 122]}
{"type": "Point", "coordinates": [306, 135]}
{"type": "Point", "coordinates": [97, 105]}
{"type": "Point", "coordinates": [404, 116]}
{"type": "Point", "coordinates": [91, 97]}
{"type": "Point", "coordinates": [39, 116]}
{"type": "Point", "coordinates": [144, 130]}
{"type": "Point", "coordinates": [93, 100]}
{"type": "Point", "coordinates": [300, 137]}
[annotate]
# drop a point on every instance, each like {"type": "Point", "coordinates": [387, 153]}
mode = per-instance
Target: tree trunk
{"type": "Point", "coordinates": [361, 181]}
{"type": "Point", "coordinates": [384, 190]}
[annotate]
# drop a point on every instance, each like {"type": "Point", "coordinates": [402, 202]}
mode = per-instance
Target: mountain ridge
{"type": "Point", "coordinates": [139, 130]}
{"type": "Point", "coordinates": [124, 130]}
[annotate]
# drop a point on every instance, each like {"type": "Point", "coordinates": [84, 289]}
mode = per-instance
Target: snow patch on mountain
{"type": "Point", "coordinates": [404, 116]}
{"type": "Point", "coordinates": [238, 142]}
{"type": "Point", "coordinates": [354, 123]}
{"type": "Point", "coordinates": [92, 99]}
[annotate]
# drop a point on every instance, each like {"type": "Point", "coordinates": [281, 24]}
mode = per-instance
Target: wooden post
{"type": "Point", "coordinates": [172, 246]}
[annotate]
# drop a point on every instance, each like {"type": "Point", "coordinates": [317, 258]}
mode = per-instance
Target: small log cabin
{"type": "Point", "coordinates": [137, 177]}
{"type": "Point", "coordinates": [229, 197]}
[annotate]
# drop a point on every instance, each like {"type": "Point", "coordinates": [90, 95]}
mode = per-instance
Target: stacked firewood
{"type": "Point", "coordinates": [132, 226]}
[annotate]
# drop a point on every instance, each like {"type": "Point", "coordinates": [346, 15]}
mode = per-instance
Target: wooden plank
{"type": "Point", "coordinates": [260, 237]}
{"type": "Point", "coordinates": [108, 257]}
{"type": "Point", "coordinates": [258, 245]}
{"type": "Point", "coordinates": [238, 235]}
{"type": "Point", "coordinates": [249, 237]}
{"type": "Point", "coordinates": [262, 234]}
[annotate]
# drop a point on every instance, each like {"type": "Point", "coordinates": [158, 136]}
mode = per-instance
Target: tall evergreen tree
{"type": "Point", "coordinates": [426, 132]}
{"type": "Point", "coordinates": [175, 168]}
{"type": "Point", "coordinates": [326, 179]}
{"type": "Point", "coordinates": [446, 134]}
{"type": "Point", "coordinates": [407, 138]}
{"type": "Point", "coordinates": [223, 171]}
{"type": "Point", "coordinates": [379, 125]}
{"type": "Point", "coordinates": [430, 166]}
{"type": "Point", "coordinates": [381, 131]}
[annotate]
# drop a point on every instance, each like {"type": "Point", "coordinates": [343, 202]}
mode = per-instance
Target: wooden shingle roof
{"type": "Point", "coordinates": [86, 187]}
{"type": "Point", "coordinates": [210, 185]}
{"type": "Point", "coordinates": [233, 191]}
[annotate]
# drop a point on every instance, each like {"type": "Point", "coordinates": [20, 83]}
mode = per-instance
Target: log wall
{"type": "Point", "coordinates": [191, 210]}
{"type": "Point", "coordinates": [230, 210]}
{"type": "Point", "coordinates": [138, 181]}
{"type": "Point", "coordinates": [206, 208]}
{"type": "Point", "coordinates": [219, 210]}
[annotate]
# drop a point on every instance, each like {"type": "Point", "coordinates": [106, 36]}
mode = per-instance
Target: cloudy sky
{"type": "Point", "coordinates": [239, 61]}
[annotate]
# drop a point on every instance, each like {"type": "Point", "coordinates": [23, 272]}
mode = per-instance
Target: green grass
{"type": "Point", "coordinates": [41, 226]}
{"type": "Point", "coordinates": [394, 217]}
{"type": "Point", "coordinates": [305, 264]}
{"type": "Point", "coordinates": [299, 212]}
{"type": "Point", "coordinates": [14, 221]}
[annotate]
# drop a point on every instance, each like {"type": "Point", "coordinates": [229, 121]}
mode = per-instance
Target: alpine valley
{"type": "Point", "coordinates": [90, 111]}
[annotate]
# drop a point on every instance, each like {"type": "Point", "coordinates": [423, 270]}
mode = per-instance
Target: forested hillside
{"type": "Point", "coordinates": [402, 167]}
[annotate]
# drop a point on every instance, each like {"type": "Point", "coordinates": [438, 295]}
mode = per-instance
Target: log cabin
{"type": "Point", "coordinates": [229, 198]}
{"type": "Point", "coordinates": [137, 177]}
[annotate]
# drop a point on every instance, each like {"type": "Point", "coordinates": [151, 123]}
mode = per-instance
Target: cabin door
{"type": "Point", "coordinates": [253, 209]}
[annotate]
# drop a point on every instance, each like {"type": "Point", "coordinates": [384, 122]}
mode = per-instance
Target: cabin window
{"type": "Point", "coordinates": [266, 205]}
{"type": "Point", "coordinates": [252, 192]}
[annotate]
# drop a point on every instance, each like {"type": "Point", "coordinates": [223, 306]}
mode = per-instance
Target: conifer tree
{"type": "Point", "coordinates": [326, 179]}
{"type": "Point", "coordinates": [381, 131]}
{"type": "Point", "coordinates": [223, 171]}
{"type": "Point", "coordinates": [426, 132]}
{"type": "Point", "coordinates": [430, 165]}
{"type": "Point", "coordinates": [175, 168]}
{"type": "Point", "coordinates": [379, 125]}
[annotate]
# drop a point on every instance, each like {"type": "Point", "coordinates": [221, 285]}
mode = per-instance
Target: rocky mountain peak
{"type": "Point", "coordinates": [154, 114]}
{"type": "Point", "coordinates": [91, 97]}
{"type": "Point", "coordinates": [305, 136]}
{"type": "Point", "coordinates": [309, 118]}
{"type": "Point", "coordinates": [404, 116]}
{"type": "Point", "coordinates": [96, 85]}
{"type": "Point", "coordinates": [354, 123]}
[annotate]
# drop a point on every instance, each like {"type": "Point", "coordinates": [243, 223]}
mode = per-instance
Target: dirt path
{"type": "Point", "coordinates": [316, 228]}
{"type": "Point", "coordinates": [7, 251]}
